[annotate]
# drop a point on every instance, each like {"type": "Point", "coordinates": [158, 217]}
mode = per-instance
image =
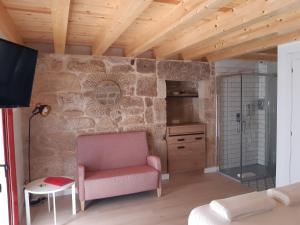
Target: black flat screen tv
{"type": "Point", "coordinates": [17, 68]}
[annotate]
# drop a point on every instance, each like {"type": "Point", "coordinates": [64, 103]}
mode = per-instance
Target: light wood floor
{"type": "Point", "coordinates": [180, 195]}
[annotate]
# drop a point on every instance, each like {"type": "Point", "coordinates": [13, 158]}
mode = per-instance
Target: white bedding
{"type": "Point", "coordinates": [281, 215]}
{"type": "Point", "coordinates": [240, 206]}
{"type": "Point", "coordinates": [288, 195]}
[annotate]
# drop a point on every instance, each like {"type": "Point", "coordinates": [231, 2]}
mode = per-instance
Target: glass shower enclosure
{"type": "Point", "coordinates": [247, 107]}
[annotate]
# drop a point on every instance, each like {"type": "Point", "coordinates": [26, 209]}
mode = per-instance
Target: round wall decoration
{"type": "Point", "coordinates": [108, 93]}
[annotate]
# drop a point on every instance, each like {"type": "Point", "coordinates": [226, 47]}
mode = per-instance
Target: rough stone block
{"type": "Point", "coordinates": [146, 66]}
{"type": "Point", "coordinates": [91, 66]}
{"type": "Point", "coordinates": [146, 86]}
{"type": "Point", "coordinates": [127, 82]}
{"type": "Point", "coordinates": [107, 122]}
{"type": "Point", "coordinates": [133, 111]}
{"type": "Point", "coordinates": [132, 120]}
{"type": "Point", "coordinates": [70, 101]}
{"type": "Point", "coordinates": [113, 60]}
{"type": "Point", "coordinates": [183, 71]}
{"type": "Point", "coordinates": [160, 110]}
{"type": "Point", "coordinates": [122, 69]}
{"type": "Point", "coordinates": [204, 88]}
{"type": "Point", "coordinates": [161, 88]}
{"type": "Point", "coordinates": [148, 102]}
{"type": "Point", "coordinates": [94, 109]}
{"type": "Point", "coordinates": [116, 116]}
{"type": "Point", "coordinates": [127, 101]}
{"type": "Point", "coordinates": [79, 123]}
{"type": "Point", "coordinates": [73, 113]}
{"type": "Point", "coordinates": [149, 115]}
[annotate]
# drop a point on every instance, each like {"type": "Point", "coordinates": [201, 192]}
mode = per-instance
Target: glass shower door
{"type": "Point", "coordinates": [258, 148]}
{"type": "Point", "coordinates": [251, 123]}
{"type": "Point", "coordinates": [271, 125]}
{"type": "Point", "coordinates": [229, 125]}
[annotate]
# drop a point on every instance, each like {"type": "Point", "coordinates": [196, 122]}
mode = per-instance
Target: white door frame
{"type": "Point", "coordinates": [3, 181]}
{"type": "Point", "coordinates": [295, 119]}
{"type": "Point", "coordinates": [286, 55]}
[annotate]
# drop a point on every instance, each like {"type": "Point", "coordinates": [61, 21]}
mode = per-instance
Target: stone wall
{"type": "Point", "coordinates": [70, 83]}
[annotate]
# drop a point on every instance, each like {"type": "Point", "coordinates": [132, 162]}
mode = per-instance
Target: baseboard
{"type": "Point", "coordinates": [211, 169]}
{"type": "Point", "coordinates": [165, 176]}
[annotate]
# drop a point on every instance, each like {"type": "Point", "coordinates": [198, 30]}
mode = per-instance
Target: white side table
{"type": "Point", "coordinates": [39, 187]}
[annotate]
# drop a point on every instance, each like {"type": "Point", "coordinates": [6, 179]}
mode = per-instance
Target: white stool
{"type": "Point", "coordinates": [39, 187]}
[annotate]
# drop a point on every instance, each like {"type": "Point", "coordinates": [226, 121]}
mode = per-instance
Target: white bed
{"type": "Point", "coordinates": [281, 215]}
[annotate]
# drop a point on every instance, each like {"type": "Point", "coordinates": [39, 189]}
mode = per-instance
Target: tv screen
{"type": "Point", "coordinates": [17, 68]}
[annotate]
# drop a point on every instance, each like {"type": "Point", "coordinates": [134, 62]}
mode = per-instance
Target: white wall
{"type": "Point", "coordinates": [19, 150]}
{"type": "Point", "coordinates": [284, 101]}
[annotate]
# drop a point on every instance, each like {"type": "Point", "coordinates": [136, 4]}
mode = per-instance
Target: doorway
{"type": "Point", "coordinates": [3, 179]}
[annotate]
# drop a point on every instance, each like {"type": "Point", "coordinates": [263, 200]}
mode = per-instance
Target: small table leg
{"type": "Point", "coordinates": [73, 199]}
{"type": "Point", "coordinates": [54, 209]}
{"type": "Point", "coordinates": [28, 222]}
{"type": "Point", "coordinates": [49, 203]}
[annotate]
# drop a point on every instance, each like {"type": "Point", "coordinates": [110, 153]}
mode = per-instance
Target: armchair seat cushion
{"type": "Point", "coordinates": [122, 181]}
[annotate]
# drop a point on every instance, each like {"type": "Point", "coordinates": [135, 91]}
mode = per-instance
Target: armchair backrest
{"type": "Point", "coordinates": [111, 151]}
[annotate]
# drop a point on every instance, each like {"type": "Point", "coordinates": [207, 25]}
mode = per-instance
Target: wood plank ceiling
{"type": "Point", "coordinates": [189, 29]}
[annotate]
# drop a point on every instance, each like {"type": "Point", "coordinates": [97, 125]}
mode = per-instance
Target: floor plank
{"type": "Point", "coordinates": [180, 195]}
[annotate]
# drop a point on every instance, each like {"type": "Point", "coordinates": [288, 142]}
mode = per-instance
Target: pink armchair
{"type": "Point", "coordinates": [115, 164]}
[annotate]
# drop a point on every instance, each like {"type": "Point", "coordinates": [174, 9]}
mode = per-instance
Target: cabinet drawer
{"type": "Point", "coordinates": [184, 157]}
{"type": "Point", "coordinates": [186, 129]}
{"type": "Point", "coordinates": [186, 162]}
{"type": "Point", "coordinates": [185, 138]}
{"type": "Point", "coordinates": [198, 146]}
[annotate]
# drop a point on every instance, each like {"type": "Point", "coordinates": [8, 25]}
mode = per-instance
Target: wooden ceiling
{"type": "Point", "coordinates": [193, 29]}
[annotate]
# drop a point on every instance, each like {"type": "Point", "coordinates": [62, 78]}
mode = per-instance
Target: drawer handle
{"type": "Point", "coordinates": [180, 139]}
{"type": "Point", "coordinates": [198, 138]}
{"type": "Point", "coordinates": [180, 147]}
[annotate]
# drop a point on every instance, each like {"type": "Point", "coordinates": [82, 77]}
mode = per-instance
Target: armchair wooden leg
{"type": "Point", "coordinates": [82, 204]}
{"type": "Point", "coordinates": [158, 190]}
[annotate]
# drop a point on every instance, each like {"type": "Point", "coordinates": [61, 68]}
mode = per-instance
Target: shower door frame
{"type": "Point", "coordinates": [241, 75]}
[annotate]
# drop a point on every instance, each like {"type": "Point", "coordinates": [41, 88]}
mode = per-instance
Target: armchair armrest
{"type": "Point", "coordinates": [154, 162]}
{"type": "Point", "coordinates": [80, 177]}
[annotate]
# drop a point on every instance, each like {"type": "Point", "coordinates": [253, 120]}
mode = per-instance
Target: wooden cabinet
{"type": "Point", "coordinates": [186, 148]}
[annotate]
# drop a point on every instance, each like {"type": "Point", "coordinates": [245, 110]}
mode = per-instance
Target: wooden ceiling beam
{"type": "Point", "coordinates": [124, 16]}
{"type": "Point", "coordinates": [7, 26]}
{"type": "Point", "coordinates": [286, 22]}
{"type": "Point", "coordinates": [259, 56]}
{"type": "Point", "coordinates": [240, 17]}
{"type": "Point", "coordinates": [60, 18]}
{"type": "Point", "coordinates": [169, 1]}
{"type": "Point", "coordinates": [181, 17]}
{"type": "Point", "coordinates": [254, 46]}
